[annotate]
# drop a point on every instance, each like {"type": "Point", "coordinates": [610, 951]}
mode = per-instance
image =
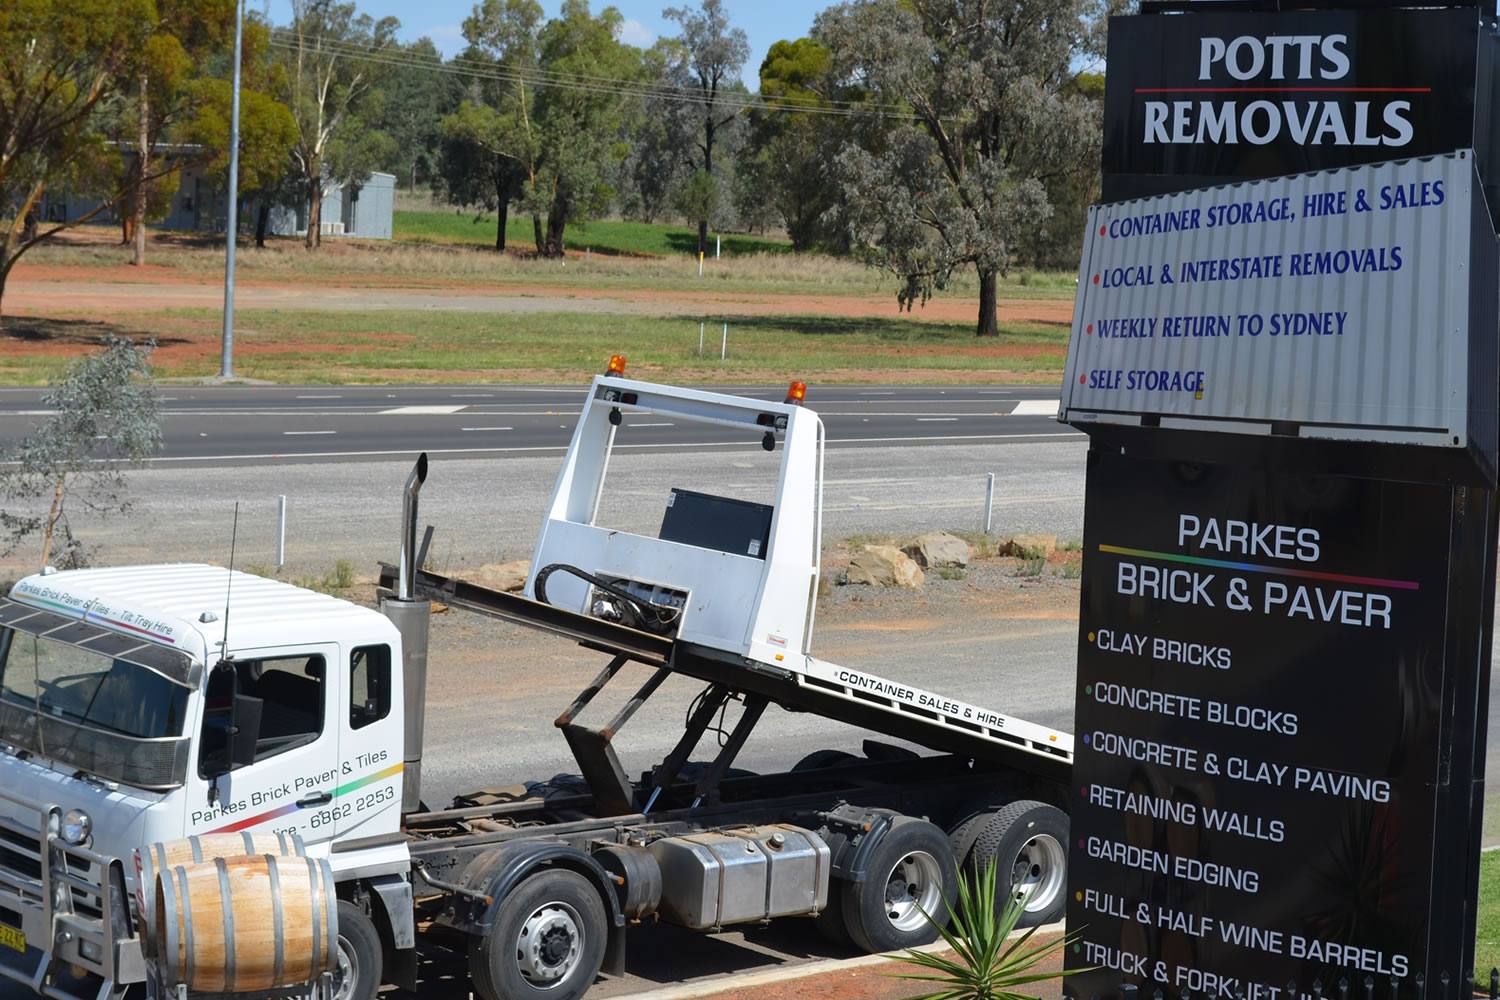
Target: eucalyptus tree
{"type": "Point", "coordinates": [794, 135]}
{"type": "Point", "coordinates": [487, 142]}
{"type": "Point", "coordinates": [711, 56]}
{"type": "Point", "coordinates": [548, 134]}
{"type": "Point", "coordinates": [103, 420]}
{"type": "Point", "coordinates": [417, 94]}
{"type": "Point", "coordinates": [334, 58]}
{"type": "Point", "coordinates": [973, 92]}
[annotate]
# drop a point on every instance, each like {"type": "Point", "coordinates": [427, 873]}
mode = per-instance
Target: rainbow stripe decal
{"type": "Point", "coordinates": [280, 811]}
{"type": "Point", "coordinates": [1243, 567]}
{"type": "Point", "coordinates": [87, 615]}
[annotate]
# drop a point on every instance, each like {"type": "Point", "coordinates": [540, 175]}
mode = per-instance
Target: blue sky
{"type": "Point", "coordinates": [764, 21]}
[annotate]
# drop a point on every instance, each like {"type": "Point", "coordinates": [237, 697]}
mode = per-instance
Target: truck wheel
{"type": "Point", "coordinates": [547, 940]}
{"type": "Point", "coordinates": [1025, 842]}
{"type": "Point", "coordinates": [911, 871]}
{"type": "Point", "coordinates": [819, 759]}
{"type": "Point", "coordinates": [358, 974]}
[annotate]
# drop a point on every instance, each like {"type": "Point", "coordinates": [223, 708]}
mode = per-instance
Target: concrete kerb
{"type": "Point", "coordinates": [751, 980]}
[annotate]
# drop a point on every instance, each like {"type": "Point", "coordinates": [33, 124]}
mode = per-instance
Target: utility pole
{"type": "Point", "coordinates": [226, 369]}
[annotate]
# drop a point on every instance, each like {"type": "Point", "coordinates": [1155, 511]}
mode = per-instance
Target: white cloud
{"type": "Point", "coordinates": [632, 32]}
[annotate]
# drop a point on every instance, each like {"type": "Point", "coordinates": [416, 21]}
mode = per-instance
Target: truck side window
{"type": "Point", "coordinates": [292, 692]}
{"type": "Point", "coordinates": [369, 685]}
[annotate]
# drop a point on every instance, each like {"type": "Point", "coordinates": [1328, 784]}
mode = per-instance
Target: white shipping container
{"type": "Point", "coordinates": [1336, 301]}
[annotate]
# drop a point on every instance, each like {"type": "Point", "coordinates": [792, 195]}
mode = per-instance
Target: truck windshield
{"type": "Point", "coordinates": [109, 717]}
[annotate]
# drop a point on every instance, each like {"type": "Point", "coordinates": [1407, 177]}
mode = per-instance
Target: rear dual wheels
{"type": "Point", "coordinates": [1025, 842]}
{"type": "Point", "coordinates": [547, 940]}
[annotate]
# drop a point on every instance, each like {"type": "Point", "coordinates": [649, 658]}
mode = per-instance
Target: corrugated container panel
{"type": "Point", "coordinates": [377, 202]}
{"type": "Point", "coordinates": [1372, 345]}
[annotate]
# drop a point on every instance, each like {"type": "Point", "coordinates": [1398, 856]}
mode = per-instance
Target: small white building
{"type": "Point", "coordinates": [363, 210]}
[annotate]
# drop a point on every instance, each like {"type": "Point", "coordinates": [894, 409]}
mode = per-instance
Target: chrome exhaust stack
{"type": "Point", "coordinates": [411, 618]}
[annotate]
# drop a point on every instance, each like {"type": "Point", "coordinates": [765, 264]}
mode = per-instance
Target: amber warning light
{"type": "Point", "coordinates": [616, 365]}
{"type": "Point", "coordinates": [796, 392]}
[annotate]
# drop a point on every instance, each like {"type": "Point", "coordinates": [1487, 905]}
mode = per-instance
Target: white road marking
{"type": "Point", "coordinates": [928, 420]}
{"type": "Point", "coordinates": [406, 452]}
{"type": "Point", "coordinates": [667, 424]}
{"type": "Point", "coordinates": [486, 428]}
{"type": "Point", "coordinates": [1035, 408]}
{"type": "Point", "coordinates": [309, 432]}
{"type": "Point", "coordinates": [411, 410]}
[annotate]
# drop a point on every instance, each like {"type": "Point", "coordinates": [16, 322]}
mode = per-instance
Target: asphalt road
{"type": "Point", "coordinates": [216, 425]}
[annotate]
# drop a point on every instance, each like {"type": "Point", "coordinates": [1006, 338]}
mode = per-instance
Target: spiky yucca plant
{"type": "Point", "coordinates": [985, 966]}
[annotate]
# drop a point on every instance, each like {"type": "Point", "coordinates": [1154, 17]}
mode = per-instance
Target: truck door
{"type": "Point", "coordinates": [370, 746]}
{"type": "Point", "coordinates": [293, 781]}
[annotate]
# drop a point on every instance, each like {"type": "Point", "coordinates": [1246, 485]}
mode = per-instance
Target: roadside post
{"type": "Point", "coordinates": [1290, 385]}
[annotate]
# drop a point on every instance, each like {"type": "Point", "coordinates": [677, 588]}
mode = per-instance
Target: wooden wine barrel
{"type": "Point", "coordinates": [230, 925]}
{"type": "Point", "coordinates": [161, 856]}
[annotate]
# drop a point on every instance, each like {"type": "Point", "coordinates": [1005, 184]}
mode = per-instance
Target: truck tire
{"type": "Point", "coordinates": [1026, 841]}
{"type": "Point", "coordinates": [965, 832]}
{"type": "Point", "coordinates": [547, 940]}
{"type": "Point", "coordinates": [359, 970]}
{"type": "Point", "coordinates": [830, 920]}
{"type": "Point", "coordinates": [911, 871]}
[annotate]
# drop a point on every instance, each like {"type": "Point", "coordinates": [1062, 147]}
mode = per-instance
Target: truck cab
{"type": "Point", "coordinates": [116, 693]}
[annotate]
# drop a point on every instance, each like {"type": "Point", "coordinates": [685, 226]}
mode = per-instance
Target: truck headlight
{"type": "Point", "coordinates": [76, 826]}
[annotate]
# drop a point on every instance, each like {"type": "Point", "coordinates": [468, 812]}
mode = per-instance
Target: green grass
{"type": "Point", "coordinates": [607, 238]}
{"type": "Point", "coordinates": [1487, 940]}
{"type": "Point", "coordinates": [398, 346]}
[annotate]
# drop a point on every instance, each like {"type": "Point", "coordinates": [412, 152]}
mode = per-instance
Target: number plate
{"type": "Point", "coordinates": [12, 938]}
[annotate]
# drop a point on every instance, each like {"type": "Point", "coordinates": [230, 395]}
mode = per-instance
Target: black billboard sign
{"type": "Point", "coordinates": [1273, 770]}
{"type": "Point", "coordinates": [1199, 99]}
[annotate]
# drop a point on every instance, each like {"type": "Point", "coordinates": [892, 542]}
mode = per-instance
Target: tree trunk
{"type": "Point", "coordinates": [262, 219]}
{"type": "Point", "coordinates": [314, 205]}
{"type": "Point", "coordinates": [138, 215]}
{"type": "Point", "coordinates": [501, 218]}
{"type": "Point", "coordinates": [988, 326]}
{"type": "Point", "coordinates": [536, 232]}
{"type": "Point", "coordinates": [52, 517]}
{"type": "Point", "coordinates": [4, 273]}
{"type": "Point", "coordinates": [557, 219]}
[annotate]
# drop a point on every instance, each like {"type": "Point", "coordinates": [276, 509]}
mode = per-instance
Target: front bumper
{"type": "Point", "coordinates": [70, 907]}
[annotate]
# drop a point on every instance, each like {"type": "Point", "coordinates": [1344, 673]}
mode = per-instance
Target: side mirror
{"type": "Point", "coordinates": [244, 730]}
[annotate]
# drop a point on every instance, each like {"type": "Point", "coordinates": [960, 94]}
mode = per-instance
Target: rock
{"type": "Point", "coordinates": [1029, 546]}
{"type": "Point", "coordinates": [510, 576]}
{"type": "Point", "coordinates": [938, 550]}
{"type": "Point", "coordinates": [885, 566]}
